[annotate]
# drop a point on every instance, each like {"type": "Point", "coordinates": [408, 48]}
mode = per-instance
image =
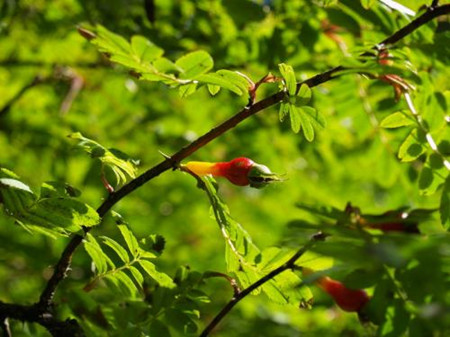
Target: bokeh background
{"type": "Point", "coordinates": [64, 85]}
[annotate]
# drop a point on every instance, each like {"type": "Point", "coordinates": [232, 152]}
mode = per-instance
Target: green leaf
{"type": "Point", "coordinates": [121, 165]}
{"type": "Point", "coordinates": [444, 208]}
{"type": "Point", "coordinates": [304, 95]}
{"type": "Point", "coordinates": [110, 43]}
{"type": "Point", "coordinates": [137, 275]}
{"type": "Point", "coordinates": [14, 184]}
{"type": "Point", "coordinates": [307, 127]}
{"type": "Point", "coordinates": [430, 179]}
{"type": "Point", "coordinates": [162, 279]}
{"type": "Point", "coordinates": [145, 50]}
{"type": "Point", "coordinates": [316, 118]}
{"type": "Point", "coordinates": [114, 245]}
{"type": "Point", "coordinates": [213, 89]}
{"type": "Point", "coordinates": [195, 64]}
{"type": "Point", "coordinates": [164, 65]}
{"type": "Point", "coordinates": [287, 72]}
{"type": "Point", "coordinates": [64, 213]}
{"type": "Point", "coordinates": [100, 259]}
{"type": "Point", "coordinates": [284, 110]}
{"type": "Point", "coordinates": [127, 61]}
{"type": "Point", "coordinates": [396, 120]}
{"type": "Point", "coordinates": [187, 89]}
{"type": "Point", "coordinates": [239, 246]}
{"type": "Point", "coordinates": [58, 214]}
{"type": "Point", "coordinates": [412, 147]}
{"type": "Point", "coordinates": [16, 196]}
{"type": "Point", "coordinates": [226, 79]}
{"type": "Point", "coordinates": [397, 319]}
{"type": "Point", "coordinates": [235, 78]}
{"type": "Point", "coordinates": [220, 81]}
{"type": "Point", "coordinates": [315, 261]}
{"type": "Point", "coordinates": [50, 216]}
{"type": "Point", "coordinates": [52, 189]}
{"type": "Point", "coordinates": [295, 118]}
{"type": "Point", "coordinates": [367, 4]}
{"type": "Point", "coordinates": [124, 280]}
{"type": "Point", "coordinates": [130, 239]}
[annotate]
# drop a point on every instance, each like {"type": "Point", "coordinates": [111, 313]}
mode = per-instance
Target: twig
{"type": "Point", "coordinates": [424, 128]}
{"type": "Point", "coordinates": [233, 283]}
{"type": "Point", "coordinates": [59, 273]}
{"type": "Point", "coordinates": [429, 15]}
{"type": "Point", "coordinates": [76, 84]}
{"type": "Point", "coordinates": [288, 265]}
{"type": "Point", "coordinates": [31, 314]}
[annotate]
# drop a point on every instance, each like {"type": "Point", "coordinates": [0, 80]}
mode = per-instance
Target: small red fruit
{"type": "Point", "coordinates": [350, 300]}
{"type": "Point", "coordinates": [236, 170]}
{"type": "Point", "coordinates": [239, 171]}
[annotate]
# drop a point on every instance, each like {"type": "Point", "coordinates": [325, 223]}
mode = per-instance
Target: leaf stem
{"type": "Point", "coordinates": [424, 128]}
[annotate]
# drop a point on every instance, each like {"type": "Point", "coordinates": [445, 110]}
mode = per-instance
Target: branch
{"type": "Point", "coordinates": [35, 314]}
{"type": "Point", "coordinates": [430, 14]}
{"type": "Point", "coordinates": [63, 264]}
{"type": "Point", "coordinates": [233, 283]}
{"type": "Point", "coordinates": [60, 272]}
{"type": "Point", "coordinates": [288, 265]}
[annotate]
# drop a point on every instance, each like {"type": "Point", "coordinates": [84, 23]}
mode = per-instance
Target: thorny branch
{"type": "Point", "coordinates": [41, 312]}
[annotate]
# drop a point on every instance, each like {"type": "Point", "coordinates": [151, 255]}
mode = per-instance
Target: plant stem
{"type": "Point", "coordinates": [424, 128]}
{"type": "Point", "coordinates": [237, 298]}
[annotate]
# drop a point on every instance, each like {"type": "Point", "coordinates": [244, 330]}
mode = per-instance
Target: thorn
{"type": "Point", "coordinates": [175, 164]}
{"type": "Point", "coordinates": [164, 155]}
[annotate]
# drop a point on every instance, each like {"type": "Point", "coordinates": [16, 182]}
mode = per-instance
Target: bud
{"type": "Point", "coordinates": [260, 176]}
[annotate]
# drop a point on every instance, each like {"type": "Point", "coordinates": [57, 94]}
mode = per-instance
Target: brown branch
{"type": "Point", "coordinates": [237, 298]}
{"type": "Point", "coordinates": [29, 313]}
{"type": "Point", "coordinates": [430, 14]}
{"type": "Point", "coordinates": [35, 314]}
{"type": "Point", "coordinates": [233, 283]}
{"type": "Point", "coordinates": [59, 273]}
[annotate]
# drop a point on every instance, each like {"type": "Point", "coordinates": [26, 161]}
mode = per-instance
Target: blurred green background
{"type": "Point", "coordinates": [352, 160]}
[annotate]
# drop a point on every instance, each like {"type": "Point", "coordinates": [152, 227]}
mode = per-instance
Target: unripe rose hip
{"type": "Point", "coordinates": [239, 171]}
{"type": "Point", "coordinates": [350, 300]}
